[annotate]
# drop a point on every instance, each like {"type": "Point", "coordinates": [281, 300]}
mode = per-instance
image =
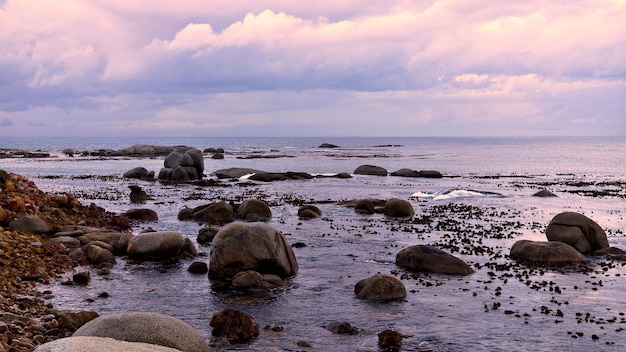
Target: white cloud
{"type": "Point", "coordinates": [228, 64]}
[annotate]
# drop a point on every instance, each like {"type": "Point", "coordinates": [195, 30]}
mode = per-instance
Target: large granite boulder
{"type": "Point", "coordinates": [151, 328]}
{"type": "Point", "coordinates": [578, 231]}
{"type": "Point", "coordinates": [160, 245]}
{"type": "Point", "coordinates": [250, 246]}
{"type": "Point", "coordinates": [370, 170]}
{"type": "Point", "coordinates": [545, 252]}
{"type": "Point", "coordinates": [380, 288]}
{"type": "Point", "coordinates": [426, 258]}
{"type": "Point", "coordinates": [254, 210]}
{"type": "Point", "coordinates": [398, 208]}
{"type": "Point", "coordinates": [183, 166]}
{"type": "Point", "coordinates": [99, 344]}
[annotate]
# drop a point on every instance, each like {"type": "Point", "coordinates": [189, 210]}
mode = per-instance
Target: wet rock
{"type": "Point", "coordinates": [307, 212]}
{"type": "Point", "coordinates": [81, 278]}
{"type": "Point", "coordinates": [611, 253]}
{"type": "Point", "coordinates": [380, 288]}
{"type": "Point", "coordinates": [368, 205]}
{"type": "Point", "coordinates": [29, 224]}
{"type": "Point", "coordinates": [328, 145]}
{"type": "Point", "coordinates": [138, 195]}
{"type": "Point", "coordinates": [160, 245]}
{"type": "Point", "coordinates": [370, 170]}
{"type": "Point", "coordinates": [544, 193]}
{"type": "Point", "coordinates": [112, 238]}
{"type": "Point", "coordinates": [235, 172]}
{"type": "Point", "coordinates": [198, 268]}
{"type": "Point", "coordinates": [183, 166]}
{"type": "Point", "coordinates": [142, 214]}
{"type": "Point", "coordinates": [545, 252]}
{"type": "Point", "coordinates": [414, 173]}
{"type": "Point", "coordinates": [395, 207]}
{"type": "Point", "coordinates": [219, 212]}
{"type": "Point", "coordinates": [250, 280]}
{"type": "Point", "coordinates": [151, 328]}
{"type": "Point", "coordinates": [74, 320]}
{"type": "Point", "coordinates": [280, 176]}
{"type": "Point", "coordinates": [578, 231]}
{"type": "Point", "coordinates": [140, 173]}
{"type": "Point", "coordinates": [425, 258]}
{"type": "Point", "coordinates": [206, 235]}
{"type": "Point", "coordinates": [389, 340]}
{"type": "Point", "coordinates": [217, 156]}
{"type": "Point", "coordinates": [234, 326]}
{"type": "Point", "coordinates": [98, 344]}
{"type": "Point", "coordinates": [342, 328]}
{"type": "Point", "coordinates": [98, 255]}
{"type": "Point", "coordinates": [250, 246]}
{"type": "Point", "coordinates": [254, 210]}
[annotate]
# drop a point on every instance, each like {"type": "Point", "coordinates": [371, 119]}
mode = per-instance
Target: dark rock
{"type": "Point", "coordinates": [198, 268]}
{"type": "Point", "coordinates": [380, 288]}
{"type": "Point", "coordinates": [234, 325]}
{"type": "Point", "coordinates": [578, 231]}
{"type": "Point", "coordinates": [328, 145]}
{"type": "Point", "coordinates": [389, 340]}
{"type": "Point", "coordinates": [370, 170]}
{"type": "Point", "coordinates": [74, 320]}
{"type": "Point", "coordinates": [217, 156]}
{"type": "Point", "coordinates": [342, 328]}
{"type": "Point", "coordinates": [206, 235]}
{"type": "Point", "coordinates": [544, 193]}
{"type": "Point", "coordinates": [395, 207]}
{"type": "Point", "coordinates": [81, 278]}
{"type": "Point", "coordinates": [425, 258]}
{"type": "Point", "coordinates": [307, 212]}
{"type": "Point", "coordinates": [185, 214]}
{"type": "Point", "coordinates": [254, 210]}
{"type": "Point", "coordinates": [235, 172]}
{"type": "Point", "coordinates": [139, 173]}
{"type": "Point", "coordinates": [219, 212]}
{"type": "Point", "coordinates": [138, 195]}
{"type": "Point", "coordinates": [545, 252]}
{"type": "Point", "coordinates": [142, 214]}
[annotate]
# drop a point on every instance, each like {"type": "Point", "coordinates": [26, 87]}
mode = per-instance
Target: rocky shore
{"type": "Point", "coordinates": [28, 259]}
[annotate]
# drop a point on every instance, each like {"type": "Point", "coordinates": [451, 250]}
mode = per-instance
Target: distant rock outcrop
{"type": "Point", "coordinates": [183, 167]}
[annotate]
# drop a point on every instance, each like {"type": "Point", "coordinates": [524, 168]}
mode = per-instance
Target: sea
{"type": "Point", "coordinates": [482, 205]}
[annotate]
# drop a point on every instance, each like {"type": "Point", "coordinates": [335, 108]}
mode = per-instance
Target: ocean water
{"type": "Point", "coordinates": [484, 201]}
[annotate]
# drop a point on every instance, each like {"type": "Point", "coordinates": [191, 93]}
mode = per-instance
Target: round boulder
{"type": "Point", "coordinates": [307, 212]}
{"type": "Point", "coordinates": [142, 214]}
{"type": "Point", "coordinates": [254, 210]}
{"type": "Point", "coordinates": [370, 170]}
{"type": "Point", "coordinates": [425, 258]}
{"type": "Point", "coordinates": [578, 231]}
{"type": "Point", "coordinates": [380, 288]}
{"type": "Point", "coordinates": [545, 252]}
{"type": "Point", "coordinates": [219, 212]}
{"type": "Point", "coordinates": [151, 328]}
{"type": "Point", "coordinates": [398, 208]}
{"type": "Point", "coordinates": [250, 246]}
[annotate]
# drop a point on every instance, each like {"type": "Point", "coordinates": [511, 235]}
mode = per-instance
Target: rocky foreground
{"type": "Point", "coordinates": [27, 259]}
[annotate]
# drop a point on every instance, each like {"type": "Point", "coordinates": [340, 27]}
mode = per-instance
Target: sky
{"type": "Point", "coordinates": [312, 68]}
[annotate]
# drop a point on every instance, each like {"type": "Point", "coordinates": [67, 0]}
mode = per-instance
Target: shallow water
{"type": "Point", "coordinates": [503, 306]}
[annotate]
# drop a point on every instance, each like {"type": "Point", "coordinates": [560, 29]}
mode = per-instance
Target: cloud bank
{"type": "Point", "coordinates": [394, 68]}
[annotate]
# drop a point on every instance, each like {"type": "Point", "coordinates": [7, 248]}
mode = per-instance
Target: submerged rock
{"type": "Point", "coordinates": [234, 326]}
{"type": "Point", "coordinates": [380, 288]}
{"type": "Point", "coordinates": [425, 258]}
{"type": "Point", "coordinates": [545, 252]}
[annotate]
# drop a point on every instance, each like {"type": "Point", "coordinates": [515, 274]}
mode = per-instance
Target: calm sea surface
{"type": "Point", "coordinates": [504, 306]}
